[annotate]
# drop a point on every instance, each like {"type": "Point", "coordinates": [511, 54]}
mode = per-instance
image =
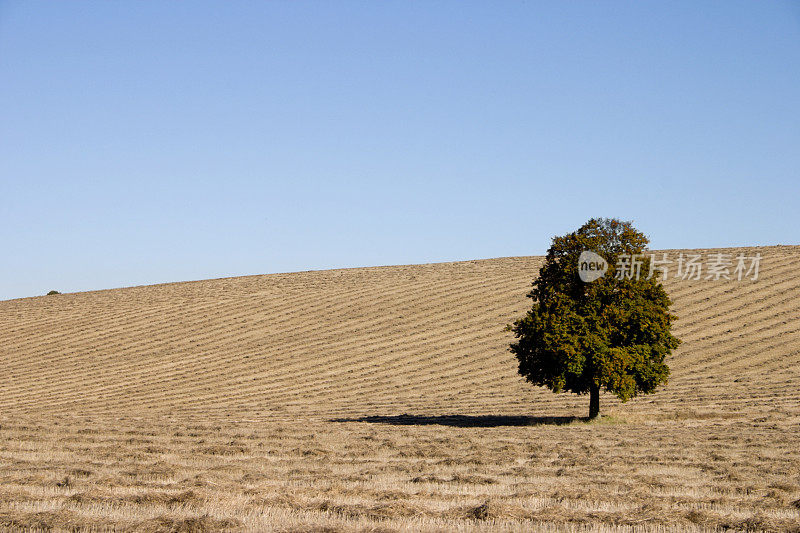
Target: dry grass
{"type": "Point", "coordinates": [383, 399]}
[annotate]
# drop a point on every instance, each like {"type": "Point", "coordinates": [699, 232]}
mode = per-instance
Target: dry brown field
{"type": "Point", "coordinates": [385, 399]}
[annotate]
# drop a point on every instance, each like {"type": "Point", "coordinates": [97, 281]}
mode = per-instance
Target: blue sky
{"type": "Point", "coordinates": [148, 142]}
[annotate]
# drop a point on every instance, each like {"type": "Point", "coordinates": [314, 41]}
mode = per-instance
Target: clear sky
{"type": "Point", "coordinates": [147, 142]}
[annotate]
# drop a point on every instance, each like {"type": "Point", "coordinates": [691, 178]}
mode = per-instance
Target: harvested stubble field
{"type": "Point", "coordinates": [383, 399]}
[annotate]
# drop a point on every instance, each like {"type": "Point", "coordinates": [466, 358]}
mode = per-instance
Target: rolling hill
{"type": "Point", "coordinates": [383, 340]}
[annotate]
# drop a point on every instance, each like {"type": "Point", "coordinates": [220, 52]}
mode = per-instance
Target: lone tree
{"type": "Point", "coordinates": [612, 332]}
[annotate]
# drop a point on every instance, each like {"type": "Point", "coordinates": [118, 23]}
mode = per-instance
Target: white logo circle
{"type": "Point", "coordinates": [591, 266]}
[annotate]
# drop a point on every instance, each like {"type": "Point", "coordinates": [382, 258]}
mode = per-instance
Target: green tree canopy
{"type": "Point", "coordinates": [612, 333]}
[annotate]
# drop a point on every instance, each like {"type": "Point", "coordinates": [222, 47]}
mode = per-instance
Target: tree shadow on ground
{"type": "Point", "coordinates": [466, 421]}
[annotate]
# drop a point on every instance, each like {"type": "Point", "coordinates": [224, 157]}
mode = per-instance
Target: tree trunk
{"type": "Point", "coordinates": [594, 401]}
